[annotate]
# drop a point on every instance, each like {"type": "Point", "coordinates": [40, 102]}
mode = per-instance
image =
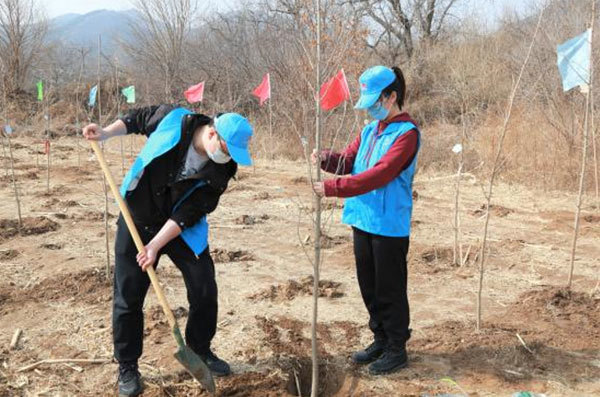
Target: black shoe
{"type": "Point", "coordinates": [390, 361]}
{"type": "Point", "coordinates": [371, 353]}
{"type": "Point", "coordinates": [130, 383]}
{"type": "Point", "coordinates": [217, 366]}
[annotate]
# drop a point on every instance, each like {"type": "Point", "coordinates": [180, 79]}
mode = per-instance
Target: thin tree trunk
{"type": "Point", "coordinates": [495, 171]}
{"type": "Point", "coordinates": [271, 130]}
{"type": "Point", "coordinates": [14, 181]}
{"type": "Point", "coordinates": [457, 254]}
{"type": "Point", "coordinates": [583, 158]}
{"type": "Point", "coordinates": [104, 184]}
{"type": "Point", "coordinates": [317, 225]}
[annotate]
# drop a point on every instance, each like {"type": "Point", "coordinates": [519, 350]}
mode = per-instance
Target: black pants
{"type": "Point", "coordinates": [382, 275]}
{"type": "Point", "coordinates": [131, 286]}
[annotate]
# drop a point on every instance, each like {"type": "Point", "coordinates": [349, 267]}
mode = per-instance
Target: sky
{"type": "Point", "coordinates": [493, 9]}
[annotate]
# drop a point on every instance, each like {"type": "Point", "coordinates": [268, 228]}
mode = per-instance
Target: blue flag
{"type": "Point", "coordinates": [93, 93]}
{"type": "Point", "coordinates": [574, 61]}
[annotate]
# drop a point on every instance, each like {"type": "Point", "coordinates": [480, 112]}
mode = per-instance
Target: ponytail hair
{"type": "Point", "coordinates": [398, 85]}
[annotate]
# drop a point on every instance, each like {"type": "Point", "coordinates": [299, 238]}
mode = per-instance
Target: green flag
{"type": "Point", "coordinates": [129, 93]}
{"type": "Point", "coordinates": [40, 88]}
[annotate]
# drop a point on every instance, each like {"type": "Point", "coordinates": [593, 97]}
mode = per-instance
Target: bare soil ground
{"type": "Point", "coordinates": [536, 336]}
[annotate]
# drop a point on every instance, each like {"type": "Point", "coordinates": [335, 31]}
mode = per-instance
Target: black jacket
{"type": "Point", "coordinates": [162, 184]}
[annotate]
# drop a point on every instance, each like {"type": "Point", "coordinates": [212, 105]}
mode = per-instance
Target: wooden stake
{"type": "Point", "coordinates": [15, 339]}
{"type": "Point", "coordinates": [495, 167]}
{"type": "Point", "coordinates": [63, 361]}
{"type": "Point", "coordinates": [583, 159]}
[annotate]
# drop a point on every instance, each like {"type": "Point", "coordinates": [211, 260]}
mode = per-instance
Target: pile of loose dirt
{"type": "Point", "coordinates": [566, 318]}
{"type": "Point", "coordinates": [436, 259]}
{"type": "Point", "coordinates": [284, 337]}
{"type": "Point", "coordinates": [156, 321]}
{"type": "Point", "coordinates": [248, 384]}
{"type": "Point", "coordinates": [552, 324]}
{"type": "Point", "coordinates": [496, 210]}
{"type": "Point", "coordinates": [92, 216]}
{"type": "Point", "coordinates": [89, 286]}
{"type": "Point", "coordinates": [293, 289]}
{"type": "Point", "coordinates": [52, 247]}
{"type": "Point", "coordinates": [251, 220]}
{"type": "Point", "coordinates": [6, 255]}
{"type": "Point", "coordinates": [224, 256]}
{"type": "Point", "coordinates": [262, 196]}
{"type": "Point", "coordinates": [328, 242]}
{"type": "Point", "coordinates": [496, 350]}
{"type": "Point", "coordinates": [59, 190]}
{"type": "Point", "coordinates": [31, 226]}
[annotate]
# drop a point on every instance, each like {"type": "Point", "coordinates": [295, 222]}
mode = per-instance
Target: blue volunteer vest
{"type": "Point", "coordinates": [385, 211]}
{"type": "Point", "coordinates": [163, 139]}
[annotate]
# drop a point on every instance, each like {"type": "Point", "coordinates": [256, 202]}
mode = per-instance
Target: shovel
{"type": "Point", "coordinates": [186, 356]}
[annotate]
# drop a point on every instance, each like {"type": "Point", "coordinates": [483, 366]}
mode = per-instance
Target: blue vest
{"type": "Point", "coordinates": [385, 211]}
{"type": "Point", "coordinates": [163, 139]}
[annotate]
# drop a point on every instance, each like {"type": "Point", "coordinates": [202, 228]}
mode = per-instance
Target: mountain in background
{"type": "Point", "coordinates": [82, 30]}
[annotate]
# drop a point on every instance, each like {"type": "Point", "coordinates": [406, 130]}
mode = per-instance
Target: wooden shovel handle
{"type": "Point", "coordinates": [134, 233]}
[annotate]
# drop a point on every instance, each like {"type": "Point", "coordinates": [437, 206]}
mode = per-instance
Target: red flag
{"type": "Point", "coordinates": [195, 93]}
{"type": "Point", "coordinates": [46, 147]}
{"type": "Point", "coordinates": [263, 91]}
{"type": "Point", "coordinates": [334, 92]}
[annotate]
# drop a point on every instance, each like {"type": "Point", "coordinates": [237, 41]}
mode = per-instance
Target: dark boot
{"type": "Point", "coordinates": [217, 366]}
{"type": "Point", "coordinates": [371, 353]}
{"type": "Point", "coordinates": [390, 361]}
{"type": "Point", "coordinates": [130, 383]}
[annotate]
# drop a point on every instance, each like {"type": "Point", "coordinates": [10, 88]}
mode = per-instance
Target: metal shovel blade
{"type": "Point", "coordinates": [196, 367]}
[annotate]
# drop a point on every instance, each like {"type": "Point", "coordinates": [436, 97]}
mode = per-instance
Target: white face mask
{"type": "Point", "coordinates": [219, 156]}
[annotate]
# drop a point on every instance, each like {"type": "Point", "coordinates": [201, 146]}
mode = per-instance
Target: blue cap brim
{"type": "Point", "coordinates": [367, 100]}
{"type": "Point", "coordinates": [240, 155]}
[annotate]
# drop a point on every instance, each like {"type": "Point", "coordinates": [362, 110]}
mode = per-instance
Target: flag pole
{"type": "Point", "coordinates": [583, 155]}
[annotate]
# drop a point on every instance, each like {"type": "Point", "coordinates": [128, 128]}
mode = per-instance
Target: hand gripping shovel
{"type": "Point", "coordinates": [186, 356]}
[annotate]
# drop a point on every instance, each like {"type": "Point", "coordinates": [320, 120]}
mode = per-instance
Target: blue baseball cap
{"type": "Point", "coordinates": [236, 131]}
{"type": "Point", "coordinates": [372, 82]}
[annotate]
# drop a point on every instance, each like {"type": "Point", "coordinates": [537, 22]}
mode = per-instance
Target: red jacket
{"type": "Point", "coordinates": [396, 160]}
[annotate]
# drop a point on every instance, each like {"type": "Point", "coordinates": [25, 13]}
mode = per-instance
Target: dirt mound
{"type": "Point", "coordinates": [435, 259]}
{"type": "Point", "coordinates": [567, 318]}
{"type": "Point", "coordinates": [496, 210]}
{"type": "Point", "coordinates": [89, 286]}
{"type": "Point", "coordinates": [156, 321]}
{"type": "Point", "coordinates": [248, 384]}
{"type": "Point", "coordinates": [59, 190]}
{"type": "Point", "coordinates": [299, 180]}
{"type": "Point", "coordinates": [328, 242]}
{"type": "Point", "coordinates": [51, 246]}
{"type": "Point", "coordinates": [6, 255]}
{"type": "Point", "coordinates": [293, 289]}
{"type": "Point", "coordinates": [251, 220]}
{"type": "Point", "coordinates": [591, 218]}
{"type": "Point", "coordinates": [31, 225]}
{"type": "Point", "coordinates": [92, 216]}
{"type": "Point", "coordinates": [224, 256]}
{"type": "Point", "coordinates": [262, 196]}
{"type": "Point", "coordinates": [497, 351]}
